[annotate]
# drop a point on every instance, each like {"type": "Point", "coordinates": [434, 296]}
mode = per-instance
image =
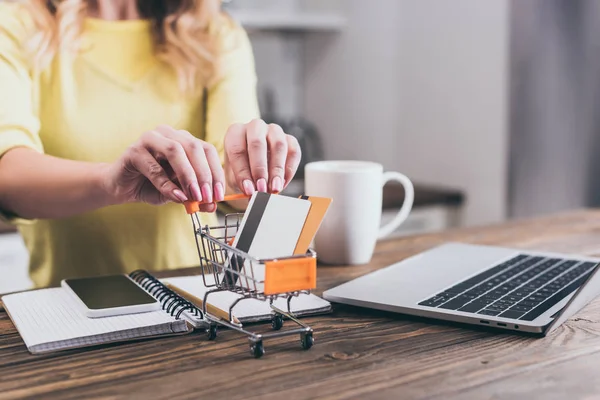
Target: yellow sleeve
{"type": "Point", "coordinates": [232, 97]}
{"type": "Point", "coordinates": [19, 124]}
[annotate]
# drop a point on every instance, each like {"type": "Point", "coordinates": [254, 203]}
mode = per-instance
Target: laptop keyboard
{"type": "Point", "coordinates": [522, 288]}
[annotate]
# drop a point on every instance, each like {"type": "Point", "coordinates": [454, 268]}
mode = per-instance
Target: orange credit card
{"type": "Point", "coordinates": [316, 214]}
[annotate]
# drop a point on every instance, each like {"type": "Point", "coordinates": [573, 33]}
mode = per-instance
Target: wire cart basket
{"type": "Point", "coordinates": [225, 268]}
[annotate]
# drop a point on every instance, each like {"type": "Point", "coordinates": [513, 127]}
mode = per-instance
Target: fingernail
{"type": "Point", "coordinates": [277, 184]}
{"type": "Point", "coordinates": [179, 195]}
{"type": "Point", "coordinates": [261, 185]}
{"type": "Point", "coordinates": [248, 187]}
{"type": "Point", "coordinates": [219, 192]}
{"type": "Point", "coordinates": [207, 193]}
{"type": "Point", "coordinates": [195, 189]}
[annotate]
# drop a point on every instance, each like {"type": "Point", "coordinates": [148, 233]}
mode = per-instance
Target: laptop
{"type": "Point", "coordinates": [504, 288]}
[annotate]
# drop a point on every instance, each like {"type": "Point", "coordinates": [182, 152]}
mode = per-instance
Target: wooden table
{"type": "Point", "coordinates": [357, 354]}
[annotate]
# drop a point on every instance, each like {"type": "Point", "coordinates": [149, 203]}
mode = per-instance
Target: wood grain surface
{"type": "Point", "coordinates": [358, 353]}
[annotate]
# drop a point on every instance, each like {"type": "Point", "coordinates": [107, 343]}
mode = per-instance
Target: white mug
{"type": "Point", "coordinates": [351, 227]}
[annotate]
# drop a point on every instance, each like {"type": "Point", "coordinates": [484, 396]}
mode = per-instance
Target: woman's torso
{"type": "Point", "coordinates": [91, 107]}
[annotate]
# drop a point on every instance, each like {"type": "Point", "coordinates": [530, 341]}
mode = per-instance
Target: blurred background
{"type": "Point", "coordinates": [488, 106]}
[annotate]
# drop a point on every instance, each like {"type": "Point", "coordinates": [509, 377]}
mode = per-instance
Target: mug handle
{"type": "Point", "coordinates": [409, 197]}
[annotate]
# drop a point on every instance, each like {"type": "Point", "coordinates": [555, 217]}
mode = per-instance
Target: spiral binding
{"type": "Point", "coordinates": [170, 301]}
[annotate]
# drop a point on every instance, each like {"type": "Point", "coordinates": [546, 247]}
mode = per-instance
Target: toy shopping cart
{"type": "Point", "coordinates": [225, 268]}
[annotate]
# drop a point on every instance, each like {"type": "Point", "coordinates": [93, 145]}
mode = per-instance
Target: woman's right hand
{"type": "Point", "coordinates": [167, 165]}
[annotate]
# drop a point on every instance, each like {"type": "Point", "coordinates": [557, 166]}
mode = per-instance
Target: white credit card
{"type": "Point", "coordinates": [271, 226]}
{"type": "Point", "coordinates": [269, 229]}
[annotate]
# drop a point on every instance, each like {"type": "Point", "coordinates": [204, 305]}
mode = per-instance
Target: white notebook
{"type": "Point", "coordinates": [51, 320]}
{"type": "Point", "coordinates": [249, 310]}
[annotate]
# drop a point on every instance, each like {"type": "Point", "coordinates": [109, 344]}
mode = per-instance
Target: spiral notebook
{"type": "Point", "coordinates": [51, 319]}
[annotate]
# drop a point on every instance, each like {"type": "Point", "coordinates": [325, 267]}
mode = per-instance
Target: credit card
{"type": "Point", "coordinates": [316, 214]}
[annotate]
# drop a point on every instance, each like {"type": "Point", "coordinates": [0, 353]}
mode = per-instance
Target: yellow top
{"type": "Point", "coordinates": [90, 107]}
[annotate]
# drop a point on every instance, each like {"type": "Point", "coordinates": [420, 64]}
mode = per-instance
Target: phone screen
{"type": "Point", "coordinates": [109, 292]}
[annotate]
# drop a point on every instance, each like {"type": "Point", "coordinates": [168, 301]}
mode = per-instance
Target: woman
{"type": "Point", "coordinates": [112, 113]}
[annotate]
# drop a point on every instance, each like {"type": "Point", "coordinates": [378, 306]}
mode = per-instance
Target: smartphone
{"type": "Point", "coordinates": [106, 296]}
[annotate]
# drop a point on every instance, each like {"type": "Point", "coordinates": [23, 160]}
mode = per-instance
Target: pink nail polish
{"type": "Point", "coordinates": [195, 190]}
{"type": "Point", "coordinates": [248, 187]}
{"type": "Point", "coordinates": [207, 193]}
{"type": "Point", "coordinates": [277, 184]}
{"type": "Point", "coordinates": [219, 192]}
{"type": "Point", "coordinates": [179, 195]}
{"type": "Point", "coordinates": [261, 185]}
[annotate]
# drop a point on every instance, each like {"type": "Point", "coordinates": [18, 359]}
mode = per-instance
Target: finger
{"type": "Point", "coordinates": [173, 152]}
{"type": "Point", "coordinates": [170, 173]}
{"type": "Point", "coordinates": [194, 150]}
{"type": "Point", "coordinates": [294, 155]}
{"type": "Point", "coordinates": [278, 148]}
{"type": "Point", "coordinates": [146, 164]}
{"type": "Point", "coordinates": [208, 207]}
{"type": "Point", "coordinates": [256, 136]}
{"type": "Point", "coordinates": [218, 175]}
{"type": "Point", "coordinates": [236, 150]}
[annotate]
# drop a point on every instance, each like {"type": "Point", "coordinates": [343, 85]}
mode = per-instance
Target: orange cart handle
{"type": "Point", "coordinates": [194, 206]}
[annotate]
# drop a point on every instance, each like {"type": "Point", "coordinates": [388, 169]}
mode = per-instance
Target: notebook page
{"type": "Point", "coordinates": [249, 310]}
{"type": "Point", "coordinates": [51, 315]}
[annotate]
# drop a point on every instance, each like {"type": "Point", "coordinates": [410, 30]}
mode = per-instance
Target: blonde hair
{"type": "Point", "coordinates": [183, 34]}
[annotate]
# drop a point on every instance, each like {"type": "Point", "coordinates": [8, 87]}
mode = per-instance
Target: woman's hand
{"type": "Point", "coordinates": [172, 165]}
{"type": "Point", "coordinates": [163, 165]}
{"type": "Point", "coordinates": [167, 165]}
{"type": "Point", "coordinates": [260, 157]}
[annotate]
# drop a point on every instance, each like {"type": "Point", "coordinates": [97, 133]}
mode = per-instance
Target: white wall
{"type": "Point", "coordinates": [278, 67]}
{"type": "Point", "coordinates": [421, 86]}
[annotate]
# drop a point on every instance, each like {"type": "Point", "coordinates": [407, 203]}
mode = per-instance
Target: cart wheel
{"type": "Point", "coordinates": [307, 340]}
{"type": "Point", "coordinates": [211, 332]}
{"type": "Point", "coordinates": [277, 321]}
{"type": "Point", "coordinates": [257, 349]}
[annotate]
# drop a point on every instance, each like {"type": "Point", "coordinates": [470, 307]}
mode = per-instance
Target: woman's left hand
{"type": "Point", "coordinates": [260, 157]}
